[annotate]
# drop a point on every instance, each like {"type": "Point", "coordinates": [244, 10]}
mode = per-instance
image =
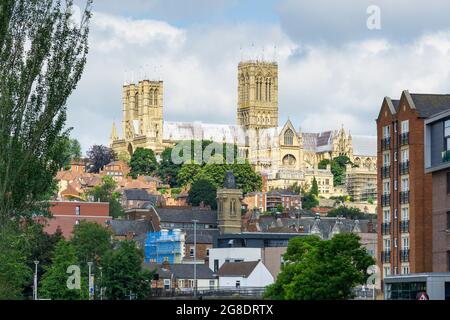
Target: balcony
{"type": "Point", "coordinates": [404, 167]}
{"type": "Point", "coordinates": [404, 226]}
{"type": "Point", "coordinates": [385, 256]}
{"type": "Point", "coordinates": [404, 255]}
{"type": "Point", "coordinates": [404, 197]}
{"type": "Point", "coordinates": [385, 228]}
{"type": "Point", "coordinates": [446, 156]}
{"type": "Point", "coordinates": [385, 172]}
{"type": "Point", "coordinates": [404, 138]}
{"type": "Point", "coordinates": [386, 143]}
{"type": "Point", "coordinates": [386, 200]}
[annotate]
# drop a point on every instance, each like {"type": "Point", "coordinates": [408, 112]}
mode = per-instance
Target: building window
{"type": "Point", "coordinates": [405, 243]}
{"type": "Point", "coordinates": [289, 137]}
{"type": "Point", "coordinates": [216, 265]}
{"type": "Point", "coordinates": [387, 271]}
{"type": "Point", "coordinates": [386, 216]}
{"type": "Point", "coordinates": [211, 284]}
{"type": "Point", "coordinates": [238, 284]}
{"type": "Point", "coordinates": [405, 155]}
{"type": "Point", "coordinates": [447, 134]}
{"type": "Point", "coordinates": [405, 126]}
{"type": "Point", "coordinates": [405, 270]}
{"type": "Point", "coordinates": [233, 207]}
{"type": "Point", "coordinates": [387, 244]}
{"type": "Point", "coordinates": [405, 184]}
{"type": "Point", "coordinates": [207, 252]}
{"type": "Point", "coordinates": [386, 132]}
{"type": "Point", "coordinates": [77, 210]}
{"type": "Point", "coordinates": [405, 214]}
{"type": "Point", "coordinates": [386, 159]}
{"type": "Point", "coordinates": [191, 252]}
{"type": "Point", "coordinates": [386, 187]}
{"type": "Point", "coordinates": [77, 222]}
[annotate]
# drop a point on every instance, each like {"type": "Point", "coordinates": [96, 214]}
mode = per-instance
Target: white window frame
{"type": "Point", "coordinates": [386, 159]}
{"type": "Point", "coordinates": [405, 243]}
{"type": "Point", "coordinates": [386, 187]}
{"type": "Point", "coordinates": [386, 215]}
{"type": "Point", "coordinates": [405, 155]}
{"type": "Point", "coordinates": [405, 184]}
{"type": "Point", "coordinates": [387, 244]}
{"type": "Point", "coordinates": [386, 131]}
{"type": "Point", "coordinates": [405, 213]}
{"type": "Point", "coordinates": [405, 126]}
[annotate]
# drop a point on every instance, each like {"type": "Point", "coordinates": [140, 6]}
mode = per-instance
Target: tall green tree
{"type": "Point", "coordinates": [123, 275]}
{"type": "Point", "coordinates": [42, 57]}
{"type": "Point", "coordinates": [347, 212]}
{"type": "Point", "coordinates": [203, 191]}
{"type": "Point", "coordinates": [106, 192]}
{"type": "Point", "coordinates": [91, 242]}
{"type": "Point", "coordinates": [318, 269]}
{"type": "Point", "coordinates": [167, 170]}
{"type": "Point", "coordinates": [54, 282]}
{"type": "Point", "coordinates": [314, 187]}
{"type": "Point", "coordinates": [187, 173]}
{"type": "Point", "coordinates": [15, 272]}
{"type": "Point", "coordinates": [72, 151]}
{"type": "Point", "coordinates": [143, 162]}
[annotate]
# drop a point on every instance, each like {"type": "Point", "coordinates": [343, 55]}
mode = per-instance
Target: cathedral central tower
{"type": "Point", "coordinates": [257, 94]}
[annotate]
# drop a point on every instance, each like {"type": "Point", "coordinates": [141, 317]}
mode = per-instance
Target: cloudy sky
{"type": "Point", "coordinates": [333, 70]}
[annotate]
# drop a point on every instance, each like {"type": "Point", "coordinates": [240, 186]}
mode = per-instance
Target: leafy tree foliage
{"type": "Point", "coordinates": [15, 273]}
{"type": "Point", "coordinates": [167, 170]}
{"type": "Point", "coordinates": [42, 57]}
{"type": "Point", "coordinates": [99, 156]}
{"type": "Point", "coordinates": [72, 151]}
{"type": "Point", "coordinates": [143, 162]}
{"type": "Point", "coordinates": [347, 212]}
{"type": "Point", "coordinates": [123, 274]}
{"type": "Point", "coordinates": [203, 190]}
{"type": "Point", "coordinates": [309, 201]}
{"type": "Point", "coordinates": [338, 168]}
{"type": "Point", "coordinates": [54, 282]}
{"type": "Point", "coordinates": [318, 269]}
{"type": "Point", "coordinates": [187, 173]}
{"type": "Point", "coordinates": [91, 241]}
{"type": "Point", "coordinates": [106, 192]}
{"type": "Point", "coordinates": [314, 188]}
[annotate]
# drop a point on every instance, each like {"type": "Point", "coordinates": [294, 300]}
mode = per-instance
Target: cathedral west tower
{"type": "Point", "coordinates": [257, 94]}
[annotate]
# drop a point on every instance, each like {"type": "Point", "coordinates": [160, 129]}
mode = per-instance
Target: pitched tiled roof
{"type": "Point", "coordinates": [430, 104]}
{"type": "Point", "coordinates": [123, 227]}
{"type": "Point", "coordinates": [237, 269]}
{"type": "Point", "coordinates": [187, 215]}
{"type": "Point", "coordinates": [186, 271]}
{"type": "Point", "coordinates": [203, 236]}
{"type": "Point", "coordinates": [136, 194]}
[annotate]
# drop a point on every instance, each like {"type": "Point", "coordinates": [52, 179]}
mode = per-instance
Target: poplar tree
{"type": "Point", "coordinates": [43, 49]}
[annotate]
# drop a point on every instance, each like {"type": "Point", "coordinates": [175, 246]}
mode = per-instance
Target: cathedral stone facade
{"type": "Point", "coordinates": [282, 153]}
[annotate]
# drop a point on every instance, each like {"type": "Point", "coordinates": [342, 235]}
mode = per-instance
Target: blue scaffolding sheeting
{"type": "Point", "coordinates": [164, 245]}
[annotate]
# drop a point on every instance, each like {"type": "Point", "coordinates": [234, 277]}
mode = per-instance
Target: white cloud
{"type": "Point", "coordinates": [320, 86]}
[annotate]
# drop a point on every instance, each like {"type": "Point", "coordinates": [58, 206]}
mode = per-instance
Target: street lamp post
{"type": "Point", "coordinates": [195, 257]}
{"type": "Point", "coordinates": [35, 287]}
{"type": "Point", "coordinates": [91, 287]}
{"type": "Point", "coordinates": [101, 283]}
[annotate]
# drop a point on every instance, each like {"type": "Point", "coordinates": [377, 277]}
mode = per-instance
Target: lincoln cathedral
{"type": "Point", "coordinates": [284, 153]}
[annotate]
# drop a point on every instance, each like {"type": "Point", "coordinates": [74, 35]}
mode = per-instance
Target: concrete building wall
{"type": "Point", "coordinates": [233, 254]}
{"type": "Point", "coordinates": [271, 257]}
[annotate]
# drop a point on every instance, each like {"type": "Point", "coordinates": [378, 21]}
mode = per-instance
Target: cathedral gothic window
{"type": "Point", "coordinates": [289, 160]}
{"type": "Point", "coordinates": [151, 97]}
{"type": "Point", "coordinates": [155, 97]}
{"type": "Point", "coordinates": [289, 137]}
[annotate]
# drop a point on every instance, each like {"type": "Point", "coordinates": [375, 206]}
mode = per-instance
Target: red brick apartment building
{"type": "Point", "coordinates": [405, 227]}
{"type": "Point", "coordinates": [66, 214]}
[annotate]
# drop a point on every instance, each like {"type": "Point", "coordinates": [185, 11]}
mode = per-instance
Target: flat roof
{"type": "Point", "coordinates": [416, 277]}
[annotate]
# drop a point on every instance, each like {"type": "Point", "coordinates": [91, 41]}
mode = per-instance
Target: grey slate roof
{"type": "Point", "coordinates": [186, 271]}
{"type": "Point", "coordinates": [122, 227]}
{"type": "Point", "coordinates": [430, 104]}
{"type": "Point", "coordinates": [237, 269]}
{"type": "Point", "coordinates": [187, 215]}
{"type": "Point", "coordinates": [180, 270]}
{"type": "Point", "coordinates": [270, 224]}
{"type": "Point", "coordinates": [136, 194]}
{"type": "Point", "coordinates": [203, 236]}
